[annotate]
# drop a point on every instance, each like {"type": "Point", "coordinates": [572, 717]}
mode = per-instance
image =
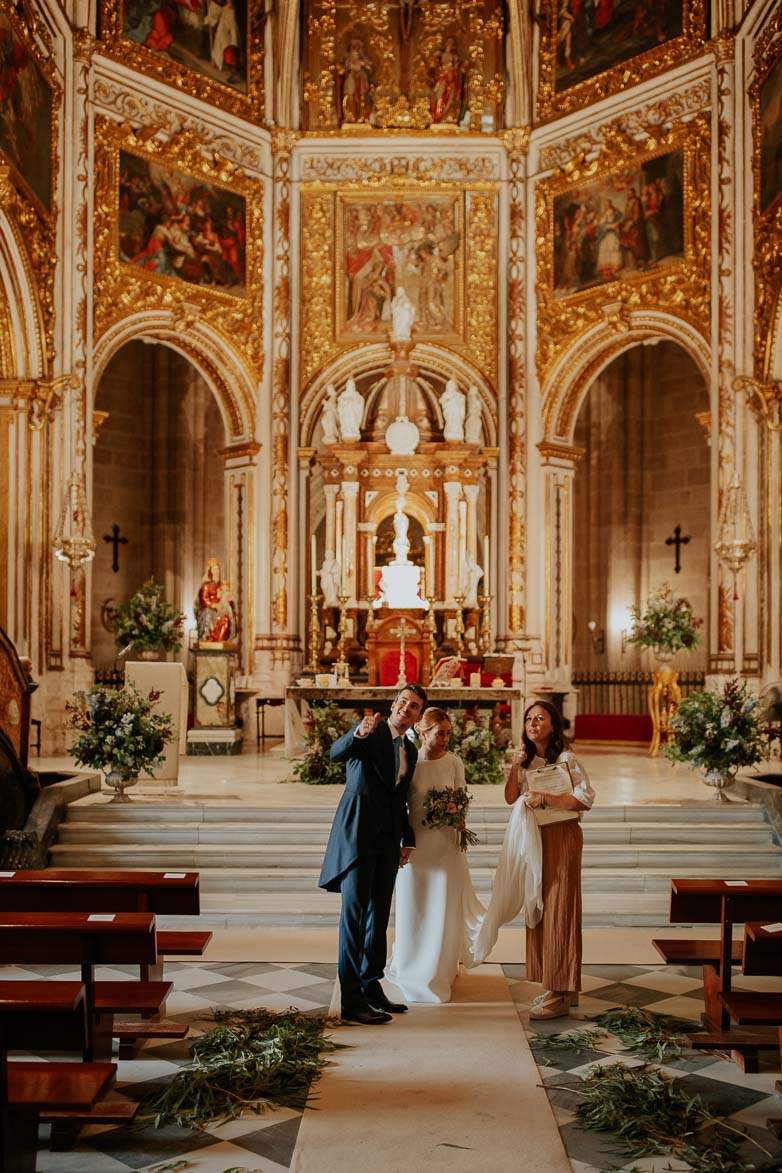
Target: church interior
{"type": "Point", "coordinates": [421, 341]}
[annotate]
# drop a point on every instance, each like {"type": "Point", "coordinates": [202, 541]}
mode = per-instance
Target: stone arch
{"type": "Point", "coordinates": [202, 346]}
{"type": "Point", "coordinates": [22, 332]}
{"type": "Point", "coordinates": [577, 367]}
{"type": "Point", "coordinates": [373, 360]}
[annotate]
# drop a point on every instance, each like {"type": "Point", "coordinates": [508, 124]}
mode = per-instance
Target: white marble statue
{"type": "Point", "coordinates": [350, 407]}
{"type": "Point", "coordinates": [469, 576]}
{"type": "Point", "coordinates": [402, 316]}
{"type": "Point", "coordinates": [453, 404]}
{"type": "Point", "coordinates": [330, 580]}
{"type": "Point", "coordinates": [473, 424]}
{"type": "Point", "coordinates": [328, 416]}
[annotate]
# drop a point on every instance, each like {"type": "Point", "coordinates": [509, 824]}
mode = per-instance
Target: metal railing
{"type": "Point", "coordinates": [624, 692]}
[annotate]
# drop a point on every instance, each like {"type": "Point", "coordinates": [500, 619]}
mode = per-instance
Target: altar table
{"type": "Point", "coordinates": [361, 697]}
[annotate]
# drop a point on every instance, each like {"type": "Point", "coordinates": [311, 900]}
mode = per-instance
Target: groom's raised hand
{"type": "Point", "coordinates": [368, 724]}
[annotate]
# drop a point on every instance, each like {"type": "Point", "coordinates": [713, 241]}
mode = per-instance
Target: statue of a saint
{"type": "Point", "coordinates": [401, 540]}
{"type": "Point", "coordinates": [330, 580]}
{"type": "Point", "coordinates": [453, 405]}
{"type": "Point", "coordinates": [448, 90]}
{"type": "Point", "coordinates": [469, 576]}
{"type": "Point", "coordinates": [473, 425]}
{"type": "Point", "coordinates": [328, 416]}
{"type": "Point", "coordinates": [402, 316]}
{"type": "Point", "coordinates": [350, 407]}
{"type": "Point", "coordinates": [214, 608]}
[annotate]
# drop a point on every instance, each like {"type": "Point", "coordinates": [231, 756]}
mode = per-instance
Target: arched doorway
{"type": "Point", "coordinates": [158, 475]}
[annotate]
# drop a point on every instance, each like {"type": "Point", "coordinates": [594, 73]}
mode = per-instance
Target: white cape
{"type": "Point", "coordinates": [517, 884]}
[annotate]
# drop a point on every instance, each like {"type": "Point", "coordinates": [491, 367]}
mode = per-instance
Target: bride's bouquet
{"type": "Point", "coordinates": [448, 808]}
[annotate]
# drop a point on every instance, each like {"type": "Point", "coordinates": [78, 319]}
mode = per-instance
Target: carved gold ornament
{"type": "Point", "coordinates": [122, 289]}
{"type": "Point", "coordinates": [237, 89]}
{"type": "Point", "coordinates": [681, 286]}
{"type": "Point", "coordinates": [767, 257]}
{"type": "Point", "coordinates": [558, 18]}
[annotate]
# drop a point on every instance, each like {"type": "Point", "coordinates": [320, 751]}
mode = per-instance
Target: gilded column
{"type": "Point", "coordinates": [558, 467]}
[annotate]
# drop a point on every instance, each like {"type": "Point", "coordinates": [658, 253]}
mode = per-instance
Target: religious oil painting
{"type": "Point", "coordinates": [176, 225]}
{"type": "Point", "coordinates": [209, 36]}
{"type": "Point", "coordinates": [386, 244]}
{"type": "Point", "coordinates": [25, 114]}
{"type": "Point", "coordinates": [628, 223]}
{"type": "Point", "coordinates": [593, 37]}
{"type": "Point", "coordinates": [771, 137]}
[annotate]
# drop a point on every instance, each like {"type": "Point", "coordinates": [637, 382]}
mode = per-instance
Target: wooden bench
{"type": "Point", "coordinates": [96, 890]}
{"type": "Point", "coordinates": [724, 903]}
{"type": "Point", "coordinates": [51, 1016]}
{"type": "Point", "coordinates": [88, 940]}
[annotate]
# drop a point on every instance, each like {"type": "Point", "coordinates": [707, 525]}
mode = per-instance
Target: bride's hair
{"type": "Point", "coordinates": [431, 716]}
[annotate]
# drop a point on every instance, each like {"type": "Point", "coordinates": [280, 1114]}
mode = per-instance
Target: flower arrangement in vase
{"type": "Point", "coordinates": [118, 733]}
{"type": "Point", "coordinates": [148, 622]}
{"type": "Point", "coordinates": [718, 732]}
{"type": "Point", "coordinates": [475, 744]}
{"type": "Point", "coordinates": [665, 623]}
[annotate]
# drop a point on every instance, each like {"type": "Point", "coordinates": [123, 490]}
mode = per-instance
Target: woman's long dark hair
{"type": "Point", "coordinates": [556, 743]}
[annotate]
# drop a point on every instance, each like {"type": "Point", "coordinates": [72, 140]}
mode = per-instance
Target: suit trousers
{"type": "Point", "coordinates": [367, 889]}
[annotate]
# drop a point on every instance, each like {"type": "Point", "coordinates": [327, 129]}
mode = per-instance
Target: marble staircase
{"type": "Point", "coordinates": [259, 866]}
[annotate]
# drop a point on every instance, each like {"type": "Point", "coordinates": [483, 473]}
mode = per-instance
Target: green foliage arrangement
{"type": "Point", "coordinates": [147, 621]}
{"type": "Point", "coordinates": [665, 623]}
{"type": "Point", "coordinates": [654, 1036]}
{"type": "Point", "coordinates": [250, 1058]}
{"type": "Point", "coordinates": [327, 723]}
{"type": "Point", "coordinates": [718, 732]}
{"type": "Point", "coordinates": [649, 1115]}
{"type": "Point", "coordinates": [118, 730]}
{"type": "Point", "coordinates": [474, 743]}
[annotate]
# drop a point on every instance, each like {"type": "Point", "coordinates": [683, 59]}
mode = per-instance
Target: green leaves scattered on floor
{"type": "Point", "coordinates": [577, 1041]}
{"type": "Point", "coordinates": [249, 1058]}
{"type": "Point", "coordinates": [650, 1115]}
{"type": "Point", "coordinates": [655, 1036]}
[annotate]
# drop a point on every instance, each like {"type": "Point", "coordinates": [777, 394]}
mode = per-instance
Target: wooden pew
{"type": "Point", "coordinates": [88, 940]}
{"type": "Point", "coordinates": [724, 903]}
{"type": "Point", "coordinates": [50, 1015]}
{"type": "Point", "coordinates": [96, 890]}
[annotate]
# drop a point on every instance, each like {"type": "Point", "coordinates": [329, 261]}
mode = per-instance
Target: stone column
{"type": "Point", "coordinates": [350, 496]}
{"type": "Point", "coordinates": [330, 493]}
{"type": "Point", "coordinates": [453, 491]}
{"type": "Point", "coordinates": [471, 495]}
{"type": "Point", "coordinates": [558, 467]}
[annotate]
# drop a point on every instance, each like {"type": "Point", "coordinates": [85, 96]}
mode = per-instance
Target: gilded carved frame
{"type": "Point", "coordinates": [191, 81]}
{"type": "Point", "coordinates": [121, 289]}
{"type": "Point", "coordinates": [683, 287]}
{"type": "Point", "coordinates": [476, 305]}
{"type": "Point", "coordinates": [553, 103]}
{"type": "Point", "coordinates": [767, 260]}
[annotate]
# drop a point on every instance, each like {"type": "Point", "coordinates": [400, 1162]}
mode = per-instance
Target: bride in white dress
{"type": "Point", "coordinates": [437, 911]}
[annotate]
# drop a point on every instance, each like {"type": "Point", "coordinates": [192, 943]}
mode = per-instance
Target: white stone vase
{"type": "Point", "coordinates": [720, 780]}
{"type": "Point", "coordinates": [119, 781]}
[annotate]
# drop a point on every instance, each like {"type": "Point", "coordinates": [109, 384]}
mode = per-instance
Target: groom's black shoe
{"type": "Point", "coordinates": [378, 1001]}
{"type": "Point", "coordinates": [363, 1013]}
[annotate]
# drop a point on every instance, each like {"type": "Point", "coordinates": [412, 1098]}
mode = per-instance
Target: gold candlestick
{"type": "Point", "coordinates": [458, 629]}
{"type": "Point", "coordinates": [341, 667]}
{"type": "Point", "coordinates": [371, 619]}
{"type": "Point", "coordinates": [315, 632]}
{"type": "Point", "coordinates": [484, 602]}
{"type": "Point", "coordinates": [431, 627]}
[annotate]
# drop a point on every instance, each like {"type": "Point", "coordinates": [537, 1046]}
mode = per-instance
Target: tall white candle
{"type": "Point", "coordinates": [313, 567]}
{"type": "Point", "coordinates": [485, 564]}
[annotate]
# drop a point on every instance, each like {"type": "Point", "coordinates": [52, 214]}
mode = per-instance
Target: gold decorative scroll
{"type": "Point", "coordinates": [556, 99]}
{"type": "Point", "coordinates": [402, 66]}
{"type": "Point", "coordinates": [243, 96]}
{"type": "Point", "coordinates": [518, 144]}
{"type": "Point", "coordinates": [281, 390]}
{"type": "Point", "coordinates": [767, 256]}
{"type": "Point", "coordinates": [682, 287]}
{"type": "Point", "coordinates": [122, 289]}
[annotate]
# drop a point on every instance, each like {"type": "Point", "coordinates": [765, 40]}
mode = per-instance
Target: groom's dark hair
{"type": "Point", "coordinates": [418, 689]}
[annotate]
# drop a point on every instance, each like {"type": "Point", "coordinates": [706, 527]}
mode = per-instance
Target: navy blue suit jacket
{"type": "Point", "coordinates": [372, 803]}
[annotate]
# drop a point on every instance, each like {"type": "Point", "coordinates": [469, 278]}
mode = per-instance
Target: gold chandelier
{"type": "Point", "coordinates": [73, 540]}
{"type": "Point", "coordinates": [735, 542]}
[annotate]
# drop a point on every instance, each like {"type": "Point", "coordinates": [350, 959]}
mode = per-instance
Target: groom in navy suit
{"type": "Point", "coordinates": [370, 837]}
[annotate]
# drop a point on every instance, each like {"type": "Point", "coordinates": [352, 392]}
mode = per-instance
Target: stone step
{"type": "Point", "coordinates": [595, 831]}
{"type": "Point", "coordinates": [674, 857]}
{"type": "Point", "coordinates": [166, 814]}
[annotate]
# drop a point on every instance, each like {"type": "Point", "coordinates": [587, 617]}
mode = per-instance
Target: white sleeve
{"type": "Point", "coordinates": [582, 787]}
{"type": "Point", "coordinates": [458, 771]}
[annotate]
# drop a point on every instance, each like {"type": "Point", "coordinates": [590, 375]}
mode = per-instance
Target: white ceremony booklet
{"type": "Point", "coordinates": [554, 779]}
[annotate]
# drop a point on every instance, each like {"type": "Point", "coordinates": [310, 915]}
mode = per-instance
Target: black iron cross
{"type": "Point", "coordinates": [117, 541]}
{"type": "Point", "coordinates": [678, 541]}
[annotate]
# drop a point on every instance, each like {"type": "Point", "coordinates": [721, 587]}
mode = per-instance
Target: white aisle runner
{"type": "Point", "coordinates": [450, 1087]}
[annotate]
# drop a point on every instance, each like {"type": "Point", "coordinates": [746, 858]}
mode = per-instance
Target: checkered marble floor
{"type": "Point", "coordinates": [748, 1100]}
{"type": "Point", "coordinates": [265, 1144]}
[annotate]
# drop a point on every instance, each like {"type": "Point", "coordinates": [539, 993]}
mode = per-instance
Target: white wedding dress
{"type": "Point", "coordinates": [437, 911]}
